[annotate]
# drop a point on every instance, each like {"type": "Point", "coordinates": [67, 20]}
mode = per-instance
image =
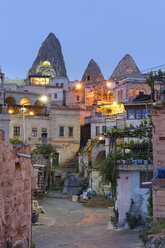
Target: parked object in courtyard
{"type": "Point", "coordinates": [36, 210]}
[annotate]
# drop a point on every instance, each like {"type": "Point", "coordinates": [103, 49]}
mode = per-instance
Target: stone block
{"type": "Point", "coordinates": [160, 193]}
{"type": "Point", "coordinates": [158, 214]}
{"type": "Point", "coordinates": [159, 201]}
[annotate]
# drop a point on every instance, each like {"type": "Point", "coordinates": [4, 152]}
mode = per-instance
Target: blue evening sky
{"type": "Point", "coordinates": [104, 30]}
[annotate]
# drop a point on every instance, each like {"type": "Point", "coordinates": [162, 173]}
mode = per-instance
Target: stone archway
{"type": "Point", "coordinates": [10, 100]}
{"type": "Point", "coordinates": [100, 157]}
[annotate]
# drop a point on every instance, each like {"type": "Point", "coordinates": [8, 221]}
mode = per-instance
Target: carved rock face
{"type": "Point", "coordinates": [50, 51]}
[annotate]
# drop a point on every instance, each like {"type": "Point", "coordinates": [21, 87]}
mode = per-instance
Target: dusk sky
{"type": "Point", "coordinates": [104, 30]}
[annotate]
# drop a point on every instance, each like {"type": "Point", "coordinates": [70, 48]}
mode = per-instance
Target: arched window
{"type": "Point", "coordinates": [137, 92]}
{"type": "Point", "coordinates": [10, 100]}
{"type": "Point", "coordinates": [25, 101]}
{"type": "Point", "coordinates": [131, 93]}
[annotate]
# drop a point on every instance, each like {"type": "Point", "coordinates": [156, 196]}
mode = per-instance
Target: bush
{"type": "Point", "coordinates": [133, 220]}
{"type": "Point", "coordinates": [15, 141]}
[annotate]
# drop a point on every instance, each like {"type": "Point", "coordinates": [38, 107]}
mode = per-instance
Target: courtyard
{"type": "Point", "coordinates": [69, 224]}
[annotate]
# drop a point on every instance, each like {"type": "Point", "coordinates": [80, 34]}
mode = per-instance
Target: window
{"type": "Point", "coordinates": [55, 95]}
{"type": "Point", "coordinates": [121, 95]}
{"type": "Point", "coordinates": [61, 131]}
{"type": "Point", "coordinates": [97, 131]}
{"type": "Point", "coordinates": [145, 114]}
{"type": "Point", "coordinates": [131, 93]}
{"type": "Point", "coordinates": [44, 130]}
{"type": "Point", "coordinates": [88, 77]}
{"type": "Point", "coordinates": [131, 114]}
{"type": "Point", "coordinates": [57, 84]}
{"type": "Point", "coordinates": [103, 129]}
{"type": "Point", "coordinates": [62, 84]}
{"type": "Point", "coordinates": [34, 132]}
{"type": "Point", "coordinates": [145, 177]}
{"type": "Point", "coordinates": [78, 98]}
{"type": "Point", "coordinates": [138, 113]}
{"type": "Point", "coordinates": [70, 131]}
{"type": "Point", "coordinates": [16, 131]}
{"type": "Point", "coordinates": [137, 92]}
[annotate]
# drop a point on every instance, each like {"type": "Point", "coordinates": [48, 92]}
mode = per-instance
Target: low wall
{"type": "Point", "coordinates": [15, 195]}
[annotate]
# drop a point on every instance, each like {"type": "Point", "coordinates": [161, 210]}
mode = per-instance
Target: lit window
{"type": "Point", "coordinates": [138, 113]}
{"type": "Point", "coordinates": [131, 93]}
{"type": "Point", "coordinates": [70, 131]}
{"type": "Point", "coordinates": [16, 131]}
{"type": "Point", "coordinates": [97, 131]}
{"type": "Point", "coordinates": [25, 101]}
{"type": "Point", "coordinates": [131, 114]}
{"type": "Point", "coordinates": [131, 69]}
{"type": "Point", "coordinates": [137, 92]}
{"type": "Point", "coordinates": [34, 132]}
{"type": "Point", "coordinates": [127, 69]}
{"type": "Point", "coordinates": [55, 95]}
{"type": "Point", "coordinates": [61, 131]}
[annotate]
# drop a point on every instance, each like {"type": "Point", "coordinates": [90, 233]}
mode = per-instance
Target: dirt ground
{"type": "Point", "coordinates": [99, 201]}
{"type": "Point", "coordinates": [68, 224]}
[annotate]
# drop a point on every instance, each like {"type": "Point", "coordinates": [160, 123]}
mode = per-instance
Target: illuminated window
{"type": "Point", "coordinates": [34, 132]}
{"type": "Point", "coordinates": [97, 131]}
{"type": "Point", "coordinates": [127, 69]}
{"type": "Point", "coordinates": [46, 63]}
{"type": "Point", "coordinates": [16, 131]}
{"type": "Point", "coordinates": [25, 101]}
{"type": "Point", "coordinates": [61, 131]}
{"type": "Point", "coordinates": [131, 93]}
{"type": "Point", "coordinates": [131, 69]}
{"type": "Point", "coordinates": [70, 131]}
{"type": "Point", "coordinates": [137, 92]}
{"type": "Point", "coordinates": [39, 81]}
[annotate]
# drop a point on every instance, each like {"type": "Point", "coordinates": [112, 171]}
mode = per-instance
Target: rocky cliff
{"type": "Point", "coordinates": [49, 60]}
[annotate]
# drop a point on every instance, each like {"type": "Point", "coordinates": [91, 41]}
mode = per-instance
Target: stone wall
{"type": "Point", "coordinates": [158, 119]}
{"type": "Point", "coordinates": [15, 195]}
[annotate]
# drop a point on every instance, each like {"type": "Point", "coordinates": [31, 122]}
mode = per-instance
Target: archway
{"type": "Point", "coordinates": [100, 157]}
{"type": "Point", "coordinates": [25, 101]}
{"type": "Point", "coordinates": [10, 100]}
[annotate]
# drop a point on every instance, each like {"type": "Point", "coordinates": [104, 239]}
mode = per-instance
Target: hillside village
{"type": "Point", "coordinates": [88, 124]}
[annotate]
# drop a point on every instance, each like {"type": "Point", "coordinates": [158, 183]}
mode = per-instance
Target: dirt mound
{"type": "Point", "coordinates": [99, 201]}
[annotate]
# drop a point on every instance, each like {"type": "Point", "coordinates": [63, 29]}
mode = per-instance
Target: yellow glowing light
{"type": "Point", "coordinates": [108, 84]}
{"type": "Point", "coordinates": [100, 138]}
{"type": "Point", "coordinates": [31, 113]}
{"type": "Point", "coordinates": [10, 111]}
{"type": "Point", "coordinates": [43, 98]}
{"type": "Point", "coordinates": [46, 63]}
{"type": "Point", "coordinates": [78, 86]}
{"type": "Point", "coordinates": [114, 104]}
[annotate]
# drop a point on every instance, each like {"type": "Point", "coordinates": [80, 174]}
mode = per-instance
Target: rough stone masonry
{"type": "Point", "coordinates": [15, 195]}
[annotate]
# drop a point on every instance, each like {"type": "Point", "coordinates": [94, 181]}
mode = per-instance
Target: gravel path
{"type": "Point", "coordinates": [68, 224]}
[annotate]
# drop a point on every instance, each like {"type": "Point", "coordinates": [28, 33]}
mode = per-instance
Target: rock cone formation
{"type": "Point", "coordinates": [93, 70]}
{"type": "Point", "coordinates": [50, 51]}
{"type": "Point", "coordinates": [126, 68]}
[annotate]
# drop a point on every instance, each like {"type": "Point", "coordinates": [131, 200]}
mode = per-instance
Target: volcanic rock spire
{"type": "Point", "coordinates": [49, 60]}
{"type": "Point", "coordinates": [126, 68]}
{"type": "Point", "coordinates": [92, 73]}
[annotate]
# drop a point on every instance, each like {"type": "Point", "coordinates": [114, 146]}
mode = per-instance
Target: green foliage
{"type": "Point", "coordinates": [109, 170]}
{"type": "Point", "coordinates": [150, 204]}
{"type": "Point", "coordinates": [45, 150]}
{"type": "Point", "coordinates": [133, 220]}
{"type": "Point", "coordinates": [15, 141]}
{"type": "Point", "coordinates": [88, 148]}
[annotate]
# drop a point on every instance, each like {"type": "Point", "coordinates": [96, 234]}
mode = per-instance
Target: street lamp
{"type": "Point", "coordinates": [43, 99]}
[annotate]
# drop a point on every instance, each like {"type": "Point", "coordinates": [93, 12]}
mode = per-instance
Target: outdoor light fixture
{"type": "Point", "coordinates": [10, 111]}
{"type": "Point", "coordinates": [31, 113]}
{"type": "Point", "coordinates": [78, 86]}
{"type": "Point", "coordinates": [108, 84]}
{"type": "Point", "coordinates": [114, 104]}
{"type": "Point", "coordinates": [100, 138]}
{"type": "Point", "coordinates": [43, 98]}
